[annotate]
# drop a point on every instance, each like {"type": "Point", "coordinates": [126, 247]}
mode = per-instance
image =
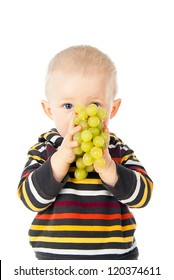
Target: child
{"type": "Point", "coordinates": [90, 218]}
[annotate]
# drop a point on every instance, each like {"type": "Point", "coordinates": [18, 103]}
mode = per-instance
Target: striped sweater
{"type": "Point", "coordinates": [85, 219]}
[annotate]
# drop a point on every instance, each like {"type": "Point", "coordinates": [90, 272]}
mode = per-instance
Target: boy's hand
{"type": "Point", "coordinates": [108, 173]}
{"type": "Point", "coordinates": [66, 149]}
{"type": "Point", "coordinates": [61, 160]}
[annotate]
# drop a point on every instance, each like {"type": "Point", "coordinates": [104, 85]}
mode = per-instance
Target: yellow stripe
{"type": "Point", "coordinates": [125, 158]}
{"type": "Point", "coordinates": [150, 184]}
{"type": "Point", "coordinates": [143, 200]}
{"type": "Point", "coordinates": [83, 228]}
{"type": "Point", "coordinates": [35, 146]}
{"type": "Point", "coordinates": [19, 190]}
{"type": "Point", "coordinates": [36, 157]}
{"type": "Point", "coordinates": [27, 200]}
{"type": "Point", "coordinates": [85, 181]}
{"type": "Point", "coordinates": [80, 240]}
{"type": "Point", "coordinates": [48, 133]}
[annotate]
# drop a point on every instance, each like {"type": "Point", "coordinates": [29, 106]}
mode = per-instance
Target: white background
{"type": "Point", "coordinates": [138, 36]}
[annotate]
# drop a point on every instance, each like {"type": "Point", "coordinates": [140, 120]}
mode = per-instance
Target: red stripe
{"type": "Point", "coordinates": [26, 174]}
{"type": "Point", "coordinates": [138, 169]}
{"type": "Point", "coordinates": [82, 216]}
{"type": "Point", "coordinates": [50, 148]}
{"type": "Point", "coordinates": [87, 204]}
{"type": "Point", "coordinates": [116, 159]}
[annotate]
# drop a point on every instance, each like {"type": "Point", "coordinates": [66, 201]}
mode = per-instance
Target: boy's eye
{"type": "Point", "coordinates": [68, 106]}
{"type": "Point", "coordinates": [96, 103]}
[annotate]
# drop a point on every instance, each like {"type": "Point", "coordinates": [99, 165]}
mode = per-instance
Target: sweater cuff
{"type": "Point", "coordinates": [125, 184]}
{"type": "Point", "coordinates": [45, 182]}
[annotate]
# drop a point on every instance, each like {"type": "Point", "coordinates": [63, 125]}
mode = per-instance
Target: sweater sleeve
{"type": "Point", "coordinates": [38, 188]}
{"type": "Point", "coordinates": [134, 186]}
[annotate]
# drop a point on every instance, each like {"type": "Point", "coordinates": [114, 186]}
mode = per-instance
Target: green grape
{"type": "Point", "coordinates": [88, 159]}
{"type": "Point", "coordinates": [98, 141]}
{"type": "Point", "coordinates": [77, 151]}
{"type": "Point", "coordinates": [89, 168]}
{"type": "Point", "coordinates": [78, 108]}
{"type": "Point", "coordinates": [100, 126]}
{"type": "Point", "coordinates": [86, 146]}
{"type": "Point", "coordinates": [86, 135]}
{"type": "Point", "coordinates": [93, 121]}
{"type": "Point", "coordinates": [101, 113]}
{"type": "Point", "coordinates": [96, 152]}
{"type": "Point", "coordinates": [79, 163]}
{"type": "Point", "coordinates": [94, 130]}
{"type": "Point", "coordinates": [91, 110]}
{"type": "Point", "coordinates": [76, 120]}
{"type": "Point", "coordinates": [80, 174]}
{"type": "Point", "coordinates": [105, 136]}
{"type": "Point", "coordinates": [77, 137]}
{"type": "Point", "coordinates": [82, 115]}
{"type": "Point", "coordinates": [84, 124]}
{"type": "Point", "coordinates": [100, 162]}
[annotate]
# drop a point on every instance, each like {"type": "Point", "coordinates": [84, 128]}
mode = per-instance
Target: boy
{"type": "Point", "coordinates": [90, 218]}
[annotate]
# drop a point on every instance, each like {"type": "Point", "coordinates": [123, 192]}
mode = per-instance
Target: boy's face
{"type": "Point", "coordinates": [66, 91]}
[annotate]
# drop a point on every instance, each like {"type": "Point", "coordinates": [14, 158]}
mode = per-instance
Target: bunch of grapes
{"type": "Point", "coordinates": [92, 139]}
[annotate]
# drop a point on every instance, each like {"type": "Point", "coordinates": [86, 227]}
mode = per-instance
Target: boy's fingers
{"type": "Point", "coordinates": [71, 123]}
{"type": "Point", "coordinates": [75, 129]}
{"type": "Point", "coordinates": [73, 144]}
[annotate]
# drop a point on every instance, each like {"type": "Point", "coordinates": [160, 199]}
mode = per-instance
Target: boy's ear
{"type": "Point", "coordinates": [115, 107]}
{"type": "Point", "coordinates": [47, 108]}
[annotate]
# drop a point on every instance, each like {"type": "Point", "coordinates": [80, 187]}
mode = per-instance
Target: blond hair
{"type": "Point", "coordinates": [83, 59]}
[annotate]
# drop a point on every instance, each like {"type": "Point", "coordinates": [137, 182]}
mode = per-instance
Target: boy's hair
{"type": "Point", "coordinates": [83, 59]}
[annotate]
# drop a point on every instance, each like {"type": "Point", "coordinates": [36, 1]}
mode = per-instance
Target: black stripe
{"type": "Point", "coordinates": [83, 222]}
{"type": "Point", "coordinates": [82, 246]}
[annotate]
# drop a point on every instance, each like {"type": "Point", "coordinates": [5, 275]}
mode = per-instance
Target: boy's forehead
{"type": "Point", "coordinates": [59, 76]}
{"type": "Point", "coordinates": [62, 83]}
